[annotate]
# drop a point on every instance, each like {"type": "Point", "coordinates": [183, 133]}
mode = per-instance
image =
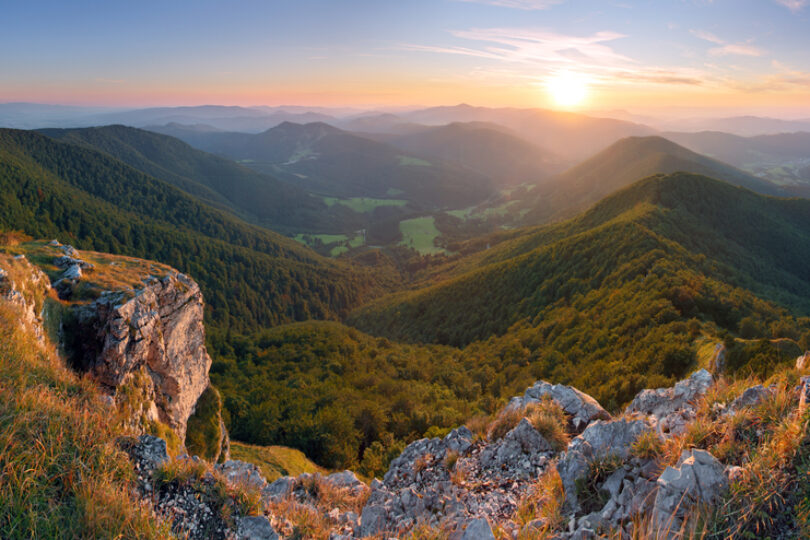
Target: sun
{"type": "Point", "coordinates": [568, 89]}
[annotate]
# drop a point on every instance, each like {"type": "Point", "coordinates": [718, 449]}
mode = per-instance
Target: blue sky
{"type": "Point", "coordinates": [363, 52]}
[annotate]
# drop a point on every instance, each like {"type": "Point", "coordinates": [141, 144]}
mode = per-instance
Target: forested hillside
{"type": "Point", "coordinates": [250, 277]}
{"type": "Point", "coordinates": [257, 197]}
{"type": "Point", "coordinates": [632, 294]}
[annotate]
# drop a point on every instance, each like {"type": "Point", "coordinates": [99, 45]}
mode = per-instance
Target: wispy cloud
{"type": "Point", "coordinates": [533, 54]}
{"type": "Point", "coordinates": [793, 5]}
{"type": "Point", "coordinates": [519, 4]}
{"type": "Point", "coordinates": [725, 48]}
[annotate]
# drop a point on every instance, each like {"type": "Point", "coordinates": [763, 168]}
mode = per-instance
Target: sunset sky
{"type": "Point", "coordinates": [617, 54]}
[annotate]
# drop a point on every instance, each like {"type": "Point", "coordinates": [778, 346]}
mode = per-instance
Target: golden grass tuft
{"type": "Point", "coordinates": [60, 473]}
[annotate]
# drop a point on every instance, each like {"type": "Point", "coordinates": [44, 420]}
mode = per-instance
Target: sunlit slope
{"type": "Point", "coordinates": [708, 228]}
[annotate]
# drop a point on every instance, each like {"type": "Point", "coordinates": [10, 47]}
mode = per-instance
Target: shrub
{"type": "Point", "coordinates": [648, 445]}
{"type": "Point", "coordinates": [549, 420]}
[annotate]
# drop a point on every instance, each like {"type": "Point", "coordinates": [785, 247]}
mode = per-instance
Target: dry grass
{"type": "Point", "coordinates": [60, 473]}
{"type": "Point", "coordinates": [545, 416]}
{"type": "Point", "coordinates": [544, 500]}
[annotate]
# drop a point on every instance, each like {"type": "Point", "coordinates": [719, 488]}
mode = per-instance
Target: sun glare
{"type": "Point", "coordinates": [568, 89]}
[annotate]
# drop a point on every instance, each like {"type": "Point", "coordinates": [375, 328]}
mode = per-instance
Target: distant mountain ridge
{"type": "Point", "coordinates": [333, 162]}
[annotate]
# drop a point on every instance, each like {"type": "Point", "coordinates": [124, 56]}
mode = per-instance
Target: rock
{"type": "Point", "coordinates": [600, 440]}
{"type": "Point", "coordinates": [803, 362]}
{"type": "Point", "coordinates": [54, 243]}
{"type": "Point", "coordinates": [72, 273]}
{"type": "Point", "coordinates": [670, 409]}
{"type": "Point", "coordinates": [161, 330]}
{"type": "Point", "coordinates": [734, 474]}
{"type": "Point", "coordinates": [66, 262]}
{"type": "Point", "coordinates": [31, 283]}
{"type": "Point", "coordinates": [279, 489]}
{"type": "Point", "coordinates": [751, 397]}
{"type": "Point", "coordinates": [242, 473]}
{"type": "Point", "coordinates": [517, 451]}
{"type": "Point", "coordinates": [478, 529]}
{"type": "Point", "coordinates": [458, 440]}
{"type": "Point", "coordinates": [718, 362]}
{"type": "Point", "coordinates": [582, 408]}
{"type": "Point", "coordinates": [70, 251]}
{"type": "Point", "coordinates": [254, 528]}
{"type": "Point", "coordinates": [372, 521]}
{"type": "Point", "coordinates": [149, 452]}
{"type": "Point", "coordinates": [698, 478]}
{"type": "Point", "coordinates": [345, 480]}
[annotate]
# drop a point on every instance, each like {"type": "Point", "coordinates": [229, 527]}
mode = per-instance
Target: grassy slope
{"type": "Point", "coordinates": [274, 461]}
{"type": "Point", "coordinates": [61, 473]}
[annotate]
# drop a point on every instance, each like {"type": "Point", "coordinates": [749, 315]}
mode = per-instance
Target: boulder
{"type": "Point", "coordinates": [148, 453]}
{"type": "Point", "coordinates": [478, 529]}
{"type": "Point", "coordinates": [600, 440]}
{"type": "Point", "coordinates": [254, 528]}
{"type": "Point", "coordinates": [751, 397]}
{"type": "Point", "coordinates": [698, 478]}
{"type": "Point", "coordinates": [345, 480]}
{"type": "Point", "coordinates": [670, 409]}
{"type": "Point", "coordinates": [582, 408]}
{"type": "Point", "coordinates": [279, 489]}
{"type": "Point", "coordinates": [242, 473]}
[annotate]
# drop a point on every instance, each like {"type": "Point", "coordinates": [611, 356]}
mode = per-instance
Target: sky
{"type": "Point", "coordinates": [624, 54]}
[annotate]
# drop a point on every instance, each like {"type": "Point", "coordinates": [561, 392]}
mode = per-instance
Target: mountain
{"type": "Point", "coordinates": [256, 197]}
{"type": "Point", "coordinates": [250, 276]}
{"type": "Point", "coordinates": [666, 227]}
{"type": "Point", "coordinates": [570, 135]}
{"type": "Point", "coordinates": [333, 162]}
{"type": "Point", "coordinates": [616, 167]}
{"type": "Point", "coordinates": [744, 126]}
{"type": "Point", "coordinates": [783, 158]}
{"type": "Point", "coordinates": [486, 148]}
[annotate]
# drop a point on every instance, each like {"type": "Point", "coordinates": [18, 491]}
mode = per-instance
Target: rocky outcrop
{"type": "Point", "coordinates": [581, 408]}
{"type": "Point", "coordinates": [25, 286]}
{"type": "Point", "coordinates": [698, 478]}
{"type": "Point", "coordinates": [161, 330]}
{"type": "Point", "coordinates": [670, 409]}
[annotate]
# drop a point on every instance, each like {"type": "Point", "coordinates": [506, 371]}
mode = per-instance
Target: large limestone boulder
{"type": "Point", "coordinates": [698, 478]}
{"type": "Point", "coordinates": [599, 441]}
{"type": "Point", "coordinates": [582, 408]}
{"type": "Point", "coordinates": [160, 330]}
{"type": "Point", "coordinates": [521, 451]}
{"type": "Point", "coordinates": [670, 409]}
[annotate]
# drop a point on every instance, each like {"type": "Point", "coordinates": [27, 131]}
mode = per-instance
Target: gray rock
{"type": "Point", "coordinates": [372, 520]}
{"type": "Point", "coordinates": [519, 450]}
{"type": "Point", "coordinates": [70, 251]}
{"type": "Point", "coordinates": [478, 529]}
{"type": "Point", "coordinates": [803, 361]}
{"type": "Point", "coordinates": [243, 473]}
{"type": "Point", "coordinates": [458, 440]}
{"type": "Point", "coordinates": [345, 480]}
{"type": "Point", "coordinates": [751, 397]}
{"type": "Point", "coordinates": [698, 478]}
{"type": "Point", "coordinates": [72, 273]}
{"type": "Point", "coordinates": [254, 528]}
{"type": "Point", "coordinates": [583, 408]}
{"type": "Point", "coordinates": [279, 489]}
{"type": "Point", "coordinates": [599, 441]}
{"type": "Point", "coordinates": [150, 452]}
{"type": "Point", "coordinates": [670, 409]}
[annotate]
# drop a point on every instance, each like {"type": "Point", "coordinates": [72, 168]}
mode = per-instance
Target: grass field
{"type": "Point", "coordinates": [420, 234]}
{"type": "Point", "coordinates": [412, 161]}
{"type": "Point", "coordinates": [274, 461]}
{"type": "Point", "coordinates": [364, 205]}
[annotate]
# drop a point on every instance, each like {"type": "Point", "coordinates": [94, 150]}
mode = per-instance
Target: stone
{"type": "Point", "coordinates": [254, 528]}
{"type": "Point", "coordinates": [372, 520]}
{"type": "Point", "coordinates": [582, 408]}
{"type": "Point", "coordinates": [149, 452]}
{"type": "Point", "coordinates": [161, 330]}
{"type": "Point", "coordinates": [698, 478]}
{"type": "Point", "coordinates": [670, 409]}
{"type": "Point", "coordinates": [70, 251]}
{"type": "Point", "coordinates": [600, 440]}
{"type": "Point", "coordinates": [478, 529]}
{"type": "Point", "coordinates": [345, 480]}
{"type": "Point", "coordinates": [279, 489]}
{"type": "Point", "coordinates": [751, 397]}
{"type": "Point", "coordinates": [73, 272]}
{"type": "Point", "coordinates": [242, 473]}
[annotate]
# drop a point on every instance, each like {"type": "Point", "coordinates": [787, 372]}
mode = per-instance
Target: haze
{"type": "Point", "coordinates": [676, 57]}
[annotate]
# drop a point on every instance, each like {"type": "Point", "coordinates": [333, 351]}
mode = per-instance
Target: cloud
{"type": "Point", "coordinates": [521, 54]}
{"type": "Point", "coordinates": [726, 48]}
{"type": "Point", "coordinates": [793, 5]}
{"type": "Point", "coordinates": [528, 5]}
